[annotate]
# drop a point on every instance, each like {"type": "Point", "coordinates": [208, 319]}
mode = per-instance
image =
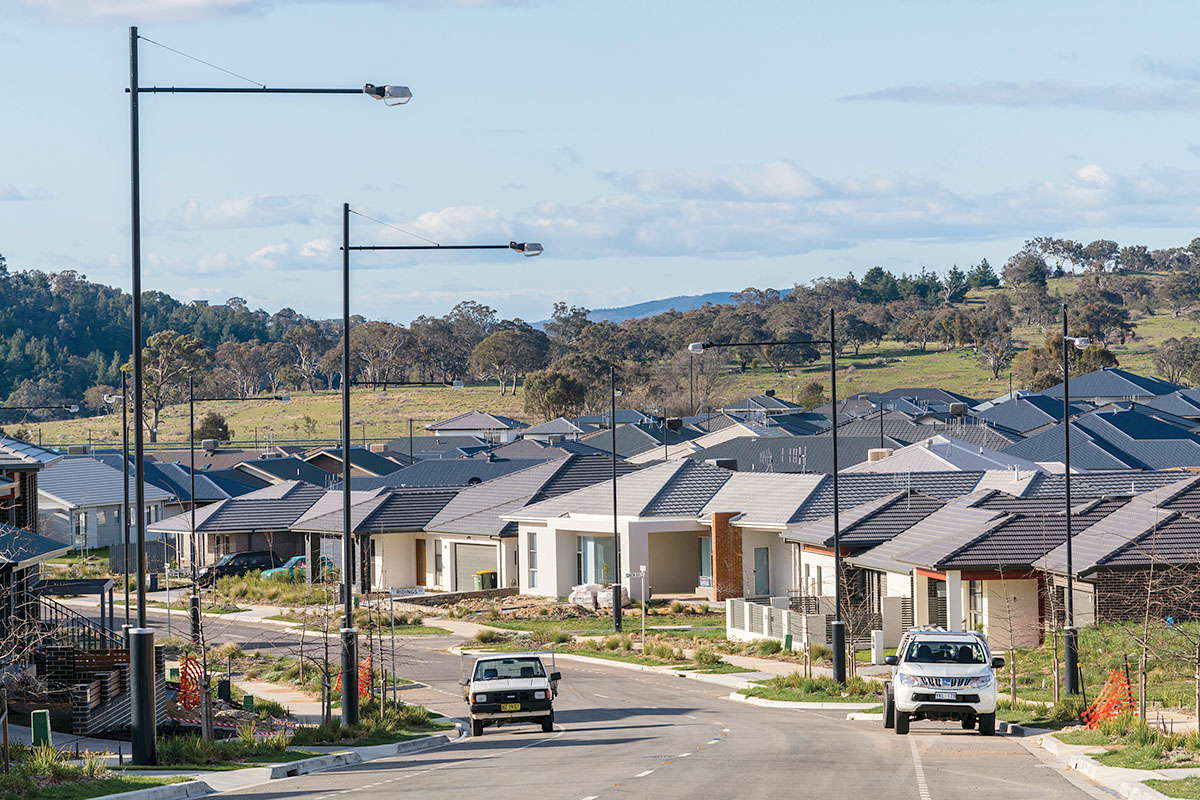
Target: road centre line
{"type": "Point", "coordinates": [643, 774]}
{"type": "Point", "coordinates": [922, 787]}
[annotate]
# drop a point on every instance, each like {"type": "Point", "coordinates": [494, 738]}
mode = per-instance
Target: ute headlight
{"type": "Point", "coordinates": [479, 698]}
{"type": "Point", "coordinates": [539, 695]}
{"type": "Point", "coordinates": [982, 682]}
{"type": "Point", "coordinates": [906, 680]}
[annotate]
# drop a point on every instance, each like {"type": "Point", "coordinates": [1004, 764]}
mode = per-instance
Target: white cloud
{"type": "Point", "coordinates": [267, 257]}
{"type": "Point", "coordinates": [318, 248]}
{"type": "Point", "coordinates": [10, 193]}
{"type": "Point", "coordinates": [258, 211]}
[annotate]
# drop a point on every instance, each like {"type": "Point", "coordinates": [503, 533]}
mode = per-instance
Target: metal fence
{"type": "Point", "coordinates": [749, 620]}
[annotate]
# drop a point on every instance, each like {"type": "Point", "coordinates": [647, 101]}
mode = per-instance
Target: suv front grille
{"type": "Point", "coordinates": [943, 683]}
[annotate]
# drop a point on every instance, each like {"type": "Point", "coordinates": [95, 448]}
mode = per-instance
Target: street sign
{"type": "Point", "coordinates": [635, 574]}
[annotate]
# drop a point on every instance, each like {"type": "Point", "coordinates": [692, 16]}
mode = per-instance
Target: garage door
{"type": "Point", "coordinates": [469, 559]}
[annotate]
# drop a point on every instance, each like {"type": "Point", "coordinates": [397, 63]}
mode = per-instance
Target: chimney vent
{"type": "Point", "coordinates": [878, 454]}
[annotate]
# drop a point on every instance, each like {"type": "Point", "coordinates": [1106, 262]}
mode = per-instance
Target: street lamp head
{"type": "Point", "coordinates": [390, 95]}
{"type": "Point", "coordinates": [696, 347]}
{"type": "Point", "coordinates": [109, 399]}
{"type": "Point", "coordinates": [72, 408]}
{"type": "Point", "coordinates": [1080, 342]}
{"type": "Point", "coordinates": [528, 249]}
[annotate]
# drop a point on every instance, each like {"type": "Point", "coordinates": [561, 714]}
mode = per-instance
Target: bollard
{"type": "Point", "coordinates": [40, 722]}
{"type": "Point", "coordinates": [787, 642]}
{"type": "Point", "coordinates": [247, 702]}
{"type": "Point", "coordinates": [225, 690]}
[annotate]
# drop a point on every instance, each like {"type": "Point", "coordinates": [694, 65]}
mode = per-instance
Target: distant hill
{"type": "Point", "coordinates": [683, 302]}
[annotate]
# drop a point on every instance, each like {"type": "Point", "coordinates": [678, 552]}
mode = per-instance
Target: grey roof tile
{"type": "Point", "coordinates": [273, 508]}
{"type": "Point", "coordinates": [84, 481]}
{"type": "Point", "coordinates": [19, 546]}
{"type": "Point", "coordinates": [762, 498]}
{"type": "Point", "coordinates": [1114, 382]}
{"type": "Point", "coordinates": [477, 421]}
{"type": "Point", "coordinates": [951, 519]}
{"type": "Point", "coordinates": [857, 488]}
{"type": "Point", "coordinates": [16, 454]}
{"type": "Point", "coordinates": [688, 491]}
{"type": "Point", "coordinates": [446, 472]}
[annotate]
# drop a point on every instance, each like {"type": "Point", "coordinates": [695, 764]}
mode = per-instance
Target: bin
{"type": "Point", "coordinates": [485, 579]}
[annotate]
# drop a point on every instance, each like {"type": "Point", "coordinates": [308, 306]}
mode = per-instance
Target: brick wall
{"type": "Point", "coordinates": [27, 504]}
{"type": "Point", "coordinates": [728, 580]}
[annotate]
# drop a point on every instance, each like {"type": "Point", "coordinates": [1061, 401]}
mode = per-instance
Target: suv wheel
{"type": "Point", "coordinates": [901, 722]}
{"type": "Point", "coordinates": [477, 727]}
{"type": "Point", "coordinates": [987, 724]}
{"type": "Point", "coordinates": [889, 707]}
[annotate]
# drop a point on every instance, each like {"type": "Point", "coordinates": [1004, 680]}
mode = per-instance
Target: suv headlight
{"type": "Point", "coordinates": [479, 698]}
{"type": "Point", "coordinates": [905, 679]}
{"type": "Point", "coordinates": [982, 682]}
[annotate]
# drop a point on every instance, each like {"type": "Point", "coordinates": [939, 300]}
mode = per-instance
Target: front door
{"type": "Point", "coordinates": [762, 571]}
{"type": "Point", "coordinates": [420, 562]}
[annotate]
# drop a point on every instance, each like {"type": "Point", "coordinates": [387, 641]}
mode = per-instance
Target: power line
{"type": "Point", "coordinates": [205, 63]}
{"type": "Point", "coordinates": [393, 227]}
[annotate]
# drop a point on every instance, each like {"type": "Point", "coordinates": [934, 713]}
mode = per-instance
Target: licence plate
{"type": "Point", "coordinates": [510, 706]}
{"type": "Point", "coordinates": [945, 696]}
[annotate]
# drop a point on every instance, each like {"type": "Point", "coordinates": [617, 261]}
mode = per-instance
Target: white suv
{"type": "Point", "coordinates": [942, 675]}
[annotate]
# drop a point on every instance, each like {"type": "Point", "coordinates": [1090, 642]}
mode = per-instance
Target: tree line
{"type": "Point", "coordinates": [63, 337]}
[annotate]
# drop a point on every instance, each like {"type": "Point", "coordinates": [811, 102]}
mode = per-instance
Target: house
{"type": "Point", "coordinates": [258, 520]}
{"type": "Point", "coordinates": [624, 416]}
{"type": "Point", "coordinates": [902, 428]}
{"type": "Point", "coordinates": [531, 448]}
{"type": "Point", "coordinates": [1028, 412]}
{"type": "Point", "coordinates": [22, 553]}
{"type": "Point", "coordinates": [81, 502]}
{"type": "Point", "coordinates": [686, 447]}
{"type": "Point", "coordinates": [636, 438]}
{"type": "Point", "coordinates": [216, 457]}
{"type": "Point", "coordinates": [558, 430]}
{"type": "Point", "coordinates": [764, 404]}
{"type": "Point", "coordinates": [699, 530]}
{"type": "Point", "coordinates": [20, 463]}
{"type": "Point", "coordinates": [1184, 403]}
{"type": "Point", "coordinates": [172, 478]}
{"type": "Point", "coordinates": [939, 454]}
{"type": "Point", "coordinates": [1131, 436]}
{"type": "Point", "coordinates": [488, 427]}
{"type": "Point", "coordinates": [415, 448]}
{"type": "Point", "coordinates": [450, 472]}
{"type": "Point", "coordinates": [1113, 385]}
{"type": "Point", "coordinates": [363, 463]}
{"type": "Point", "coordinates": [791, 453]}
{"type": "Point", "coordinates": [281, 469]}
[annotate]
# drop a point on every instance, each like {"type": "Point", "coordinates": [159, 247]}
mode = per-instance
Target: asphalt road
{"type": "Point", "coordinates": [623, 733]}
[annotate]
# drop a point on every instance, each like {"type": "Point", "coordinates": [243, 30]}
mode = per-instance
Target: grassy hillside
{"type": "Point", "coordinates": [386, 414]}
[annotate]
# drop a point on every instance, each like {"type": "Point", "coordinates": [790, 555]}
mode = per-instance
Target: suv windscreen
{"type": "Point", "coordinates": [928, 651]}
{"type": "Point", "coordinates": [225, 559]}
{"type": "Point", "coordinates": [503, 668]}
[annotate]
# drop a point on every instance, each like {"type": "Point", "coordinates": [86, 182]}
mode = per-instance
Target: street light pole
{"type": "Point", "coordinates": [125, 487]}
{"type": "Point", "coordinates": [350, 710]}
{"type": "Point", "coordinates": [194, 598]}
{"type": "Point", "coordinates": [838, 626]}
{"type": "Point", "coordinates": [612, 427]}
{"type": "Point", "coordinates": [1070, 635]}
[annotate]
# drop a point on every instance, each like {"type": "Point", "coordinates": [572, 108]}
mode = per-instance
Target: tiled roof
{"type": "Point", "coordinates": [635, 439]}
{"type": "Point", "coordinates": [951, 519]}
{"type": "Point", "coordinates": [168, 476]}
{"type": "Point", "coordinates": [392, 511]}
{"type": "Point", "coordinates": [761, 498]}
{"type": "Point", "coordinates": [940, 453]}
{"type": "Point", "coordinates": [432, 444]}
{"type": "Point", "coordinates": [360, 458]}
{"type": "Point", "coordinates": [899, 515]}
{"type": "Point", "coordinates": [634, 493]}
{"type": "Point", "coordinates": [688, 491]}
{"type": "Point", "coordinates": [560, 426]}
{"type": "Point", "coordinates": [234, 482]}
{"type": "Point", "coordinates": [906, 431]}
{"type": "Point", "coordinates": [446, 472]}
{"type": "Point", "coordinates": [625, 416]}
{"type": "Point", "coordinates": [19, 546]}
{"type": "Point", "coordinates": [1184, 403]}
{"type": "Point", "coordinates": [1132, 436]}
{"type": "Point", "coordinates": [761, 402]}
{"type": "Point", "coordinates": [856, 489]}
{"type": "Point", "coordinates": [530, 448]}
{"type": "Point", "coordinates": [1114, 382]}
{"type": "Point", "coordinates": [926, 395]}
{"type": "Point", "coordinates": [84, 481]}
{"type": "Point", "coordinates": [792, 453]}
{"type": "Point", "coordinates": [1016, 541]}
{"type": "Point", "coordinates": [579, 472]}
{"type": "Point", "coordinates": [273, 508]}
{"type": "Point", "coordinates": [1028, 412]}
{"type": "Point", "coordinates": [289, 468]}
{"type": "Point", "coordinates": [478, 509]}
{"type": "Point", "coordinates": [222, 458]}
{"type": "Point", "coordinates": [477, 421]}
{"type": "Point", "coordinates": [16, 454]}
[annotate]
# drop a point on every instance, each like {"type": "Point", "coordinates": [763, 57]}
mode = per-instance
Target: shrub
{"type": "Point", "coordinates": [560, 637]}
{"type": "Point", "coordinates": [191, 749]}
{"type": "Point", "coordinates": [769, 647]}
{"type": "Point", "coordinates": [821, 652]}
{"type": "Point", "coordinates": [487, 636]}
{"type": "Point", "coordinates": [245, 734]}
{"type": "Point", "coordinates": [269, 708]}
{"type": "Point", "coordinates": [414, 716]}
{"type": "Point", "coordinates": [676, 607]}
{"type": "Point", "coordinates": [707, 657]}
{"type": "Point", "coordinates": [1069, 708]}
{"type": "Point", "coordinates": [544, 611]}
{"type": "Point", "coordinates": [95, 765]}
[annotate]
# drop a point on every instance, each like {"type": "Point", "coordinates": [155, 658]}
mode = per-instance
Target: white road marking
{"type": "Point", "coordinates": [643, 774]}
{"type": "Point", "coordinates": [922, 787]}
{"type": "Point", "coordinates": [602, 695]}
{"type": "Point", "coordinates": [591, 797]}
{"type": "Point", "coordinates": [684, 755]}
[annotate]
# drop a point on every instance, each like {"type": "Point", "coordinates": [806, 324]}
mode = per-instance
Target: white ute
{"type": "Point", "coordinates": [942, 675]}
{"type": "Point", "coordinates": [511, 687]}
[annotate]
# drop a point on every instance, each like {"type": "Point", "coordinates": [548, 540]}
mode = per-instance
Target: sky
{"type": "Point", "coordinates": [654, 148]}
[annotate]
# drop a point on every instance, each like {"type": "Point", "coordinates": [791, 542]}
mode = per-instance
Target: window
{"type": "Point", "coordinates": [532, 559]}
{"type": "Point", "coordinates": [975, 617]}
{"type": "Point", "coordinates": [101, 517]}
{"type": "Point", "coordinates": [706, 567]}
{"type": "Point", "coordinates": [926, 651]}
{"type": "Point", "coordinates": [508, 668]}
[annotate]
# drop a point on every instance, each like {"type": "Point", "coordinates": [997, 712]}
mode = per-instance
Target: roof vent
{"type": "Point", "coordinates": [77, 449]}
{"type": "Point", "coordinates": [376, 447]}
{"type": "Point", "coordinates": [878, 454]}
{"type": "Point", "coordinates": [723, 463]}
{"type": "Point", "coordinates": [958, 409]}
{"type": "Point", "coordinates": [209, 445]}
{"type": "Point", "coordinates": [769, 392]}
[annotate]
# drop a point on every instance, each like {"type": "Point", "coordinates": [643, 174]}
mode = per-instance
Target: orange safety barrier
{"type": "Point", "coordinates": [364, 678]}
{"type": "Point", "coordinates": [1115, 698]}
{"type": "Point", "coordinates": [190, 673]}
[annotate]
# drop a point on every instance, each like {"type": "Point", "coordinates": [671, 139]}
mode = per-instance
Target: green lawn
{"type": "Point", "coordinates": [717, 669]}
{"type": "Point", "coordinates": [795, 688]}
{"type": "Point", "coordinates": [1187, 788]}
{"type": "Point", "coordinates": [82, 790]}
{"type": "Point", "coordinates": [1088, 737]}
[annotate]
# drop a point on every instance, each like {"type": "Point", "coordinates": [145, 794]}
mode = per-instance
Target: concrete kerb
{"type": "Point", "coordinates": [172, 791]}
{"type": "Point", "coordinates": [801, 706]}
{"type": "Point", "coordinates": [1124, 782]}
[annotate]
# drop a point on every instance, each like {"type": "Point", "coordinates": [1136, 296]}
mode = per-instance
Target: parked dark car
{"type": "Point", "coordinates": [239, 564]}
